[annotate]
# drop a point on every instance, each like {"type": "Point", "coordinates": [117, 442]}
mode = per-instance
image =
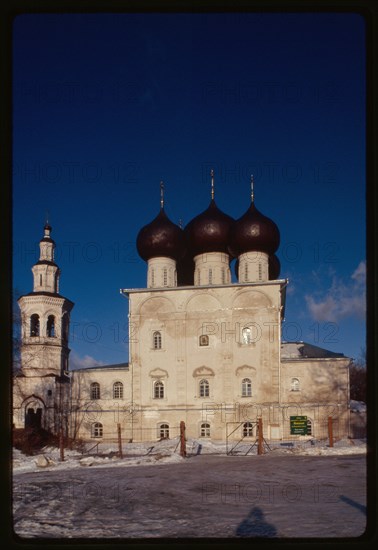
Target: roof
{"type": "Point", "coordinates": [118, 366]}
{"type": "Point", "coordinates": [302, 350]}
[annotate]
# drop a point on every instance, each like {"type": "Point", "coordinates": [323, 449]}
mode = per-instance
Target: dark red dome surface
{"type": "Point", "coordinates": [162, 238]}
{"type": "Point", "coordinates": [253, 232]}
{"type": "Point", "coordinates": [209, 231]}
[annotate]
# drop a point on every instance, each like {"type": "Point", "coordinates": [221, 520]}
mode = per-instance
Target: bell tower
{"type": "Point", "coordinates": [45, 316]}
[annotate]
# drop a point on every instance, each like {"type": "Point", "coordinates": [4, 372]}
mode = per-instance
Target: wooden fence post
{"type": "Point", "coordinates": [119, 441]}
{"type": "Point", "coordinates": [260, 449]}
{"type": "Point", "coordinates": [330, 431]}
{"type": "Point", "coordinates": [182, 439]}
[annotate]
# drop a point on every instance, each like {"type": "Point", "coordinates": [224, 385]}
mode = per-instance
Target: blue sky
{"type": "Point", "coordinates": [107, 105]}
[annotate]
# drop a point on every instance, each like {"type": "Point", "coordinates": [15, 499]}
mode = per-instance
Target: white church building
{"type": "Point", "coordinates": [202, 349]}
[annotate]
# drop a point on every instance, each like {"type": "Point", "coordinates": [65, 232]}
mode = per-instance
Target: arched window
{"type": "Point", "coordinates": [247, 335]}
{"type": "Point", "coordinates": [223, 275]}
{"type": "Point", "coordinates": [204, 340]}
{"type": "Point", "coordinates": [246, 387]}
{"type": "Point", "coordinates": [156, 340]}
{"type": "Point", "coordinates": [95, 390]}
{"type": "Point", "coordinates": [294, 384]}
{"type": "Point", "coordinates": [117, 390]}
{"type": "Point", "coordinates": [152, 277]}
{"type": "Point", "coordinates": [247, 429]}
{"type": "Point", "coordinates": [165, 277]}
{"type": "Point", "coordinates": [97, 429]}
{"type": "Point", "coordinates": [260, 272]}
{"type": "Point", "coordinates": [159, 390]}
{"type": "Point", "coordinates": [204, 388]}
{"type": "Point", "coordinates": [51, 326]}
{"type": "Point", "coordinates": [205, 429]}
{"type": "Point", "coordinates": [309, 427]}
{"type": "Point", "coordinates": [40, 280]}
{"type": "Point", "coordinates": [210, 276]}
{"type": "Point", "coordinates": [163, 431]}
{"type": "Point", "coordinates": [65, 327]}
{"type": "Point", "coordinates": [34, 325]}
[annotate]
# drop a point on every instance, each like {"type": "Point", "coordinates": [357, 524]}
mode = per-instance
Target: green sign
{"type": "Point", "coordinates": [298, 425]}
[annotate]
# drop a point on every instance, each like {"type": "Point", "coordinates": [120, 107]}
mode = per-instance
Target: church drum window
{"type": "Point", "coordinates": [51, 326]}
{"type": "Point", "coordinates": [246, 387]}
{"type": "Point", "coordinates": [204, 388]}
{"type": "Point", "coordinates": [117, 390]}
{"type": "Point", "coordinates": [95, 390]}
{"type": "Point", "coordinates": [156, 340]}
{"type": "Point", "coordinates": [159, 390]}
{"type": "Point", "coordinates": [34, 325]}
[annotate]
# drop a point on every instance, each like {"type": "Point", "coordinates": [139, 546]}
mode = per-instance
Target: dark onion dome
{"type": "Point", "coordinates": [209, 231]}
{"type": "Point", "coordinates": [161, 238]}
{"type": "Point", "coordinates": [185, 271]}
{"type": "Point", "coordinates": [47, 230]}
{"type": "Point", "coordinates": [253, 232]}
{"type": "Point", "coordinates": [274, 267]}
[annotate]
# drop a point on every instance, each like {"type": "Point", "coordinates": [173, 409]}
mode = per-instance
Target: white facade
{"type": "Point", "coordinates": [209, 354]}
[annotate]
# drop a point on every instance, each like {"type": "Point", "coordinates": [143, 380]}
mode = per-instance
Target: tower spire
{"type": "Point", "coordinates": [252, 189]}
{"type": "Point", "coordinates": [212, 184]}
{"type": "Point", "coordinates": [162, 195]}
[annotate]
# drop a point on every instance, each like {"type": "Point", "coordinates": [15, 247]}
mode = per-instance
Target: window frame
{"type": "Point", "coordinates": [95, 391]}
{"type": "Point", "coordinates": [203, 340]}
{"type": "Point", "coordinates": [246, 387]}
{"type": "Point", "coordinates": [205, 429]}
{"type": "Point", "coordinates": [247, 341]}
{"type": "Point", "coordinates": [157, 340]}
{"type": "Point", "coordinates": [163, 430]}
{"type": "Point", "coordinates": [295, 384]}
{"type": "Point", "coordinates": [50, 326]}
{"type": "Point", "coordinates": [158, 389]}
{"type": "Point", "coordinates": [35, 325]}
{"type": "Point", "coordinates": [97, 430]}
{"type": "Point", "coordinates": [247, 429]}
{"type": "Point", "coordinates": [204, 388]}
{"type": "Point", "coordinates": [118, 390]}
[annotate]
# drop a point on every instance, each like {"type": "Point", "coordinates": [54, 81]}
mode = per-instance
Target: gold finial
{"type": "Point", "coordinates": [212, 184]}
{"type": "Point", "coordinates": [161, 195]}
{"type": "Point", "coordinates": [252, 189]}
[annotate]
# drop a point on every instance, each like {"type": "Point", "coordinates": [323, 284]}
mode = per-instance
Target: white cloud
{"type": "Point", "coordinates": [359, 275]}
{"type": "Point", "coordinates": [342, 299]}
{"type": "Point", "coordinates": [77, 362]}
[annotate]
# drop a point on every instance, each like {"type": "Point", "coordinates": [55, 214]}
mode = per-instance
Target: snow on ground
{"type": "Point", "coordinates": [153, 492]}
{"type": "Point", "coordinates": [167, 452]}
